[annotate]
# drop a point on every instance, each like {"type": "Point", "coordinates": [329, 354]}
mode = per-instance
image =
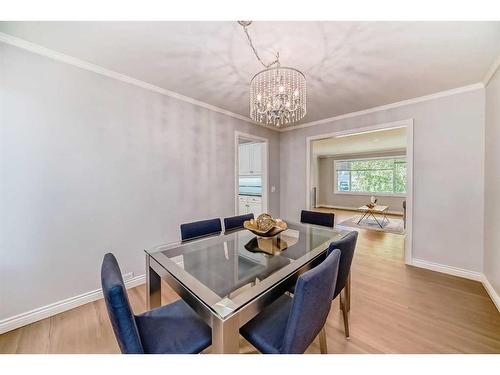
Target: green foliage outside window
{"type": "Point", "coordinates": [386, 175]}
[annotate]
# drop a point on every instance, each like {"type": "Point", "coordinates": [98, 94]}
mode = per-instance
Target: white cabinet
{"type": "Point", "coordinates": [255, 205]}
{"type": "Point", "coordinates": [249, 204]}
{"type": "Point", "coordinates": [250, 158]}
{"type": "Point", "coordinates": [244, 159]}
{"type": "Point", "coordinates": [256, 158]}
{"type": "Point", "coordinates": [243, 205]}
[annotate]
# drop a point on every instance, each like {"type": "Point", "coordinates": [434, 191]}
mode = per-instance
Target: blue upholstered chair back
{"type": "Point", "coordinates": [319, 218]}
{"type": "Point", "coordinates": [201, 228]}
{"type": "Point", "coordinates": [119, 310]}
{"type": "Point", "coordinates": [235, 222]}
{"type": "Point", "coordinates": [311, 305]}
{"type": "Point", "coordinates": [346, 245]}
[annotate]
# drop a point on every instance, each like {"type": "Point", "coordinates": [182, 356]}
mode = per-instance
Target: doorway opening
{"type": "Point", "coordinates": [251, 174]}
{"type": "Point", "coordinates": [367, 175]}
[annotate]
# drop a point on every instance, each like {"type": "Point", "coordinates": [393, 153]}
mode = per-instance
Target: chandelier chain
{"type": "Point", "coordinates": [277, 94]}
{"type": "Point", "coordinates": [275, 62]}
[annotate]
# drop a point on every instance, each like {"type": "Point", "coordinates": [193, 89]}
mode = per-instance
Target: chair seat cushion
{"type": "Point", "coordinates": [173, 329]}
{"type": "Point", "coordinates": [258, 331]}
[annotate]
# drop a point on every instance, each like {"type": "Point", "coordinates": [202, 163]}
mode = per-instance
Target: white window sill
{"type": "Point", "coordinates": [370, 194]}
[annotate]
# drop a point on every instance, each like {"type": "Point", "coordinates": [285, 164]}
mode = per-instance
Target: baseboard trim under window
{"type": "Point", "coordinates": [355, 209]}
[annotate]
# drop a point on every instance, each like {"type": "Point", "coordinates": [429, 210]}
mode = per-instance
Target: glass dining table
{"type": "Point", "coordinates": [229, 278]}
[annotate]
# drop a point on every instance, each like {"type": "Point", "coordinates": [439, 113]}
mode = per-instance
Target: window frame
{"type": "Point", "coordinates": [335, 186]}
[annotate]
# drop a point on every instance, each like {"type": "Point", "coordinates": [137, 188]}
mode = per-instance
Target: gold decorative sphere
{"type": "Point", "coordinates": [265, 222]}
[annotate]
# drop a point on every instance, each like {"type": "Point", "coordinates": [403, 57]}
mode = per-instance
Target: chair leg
{"type": "Point", "coordinates": [340, 303]}
{"type": "Point", "coordinates": [322, 341]}
{"type": "Point", "coordinates": [345, 315]}
{"type": "Point", "coordinates": [348, 293]}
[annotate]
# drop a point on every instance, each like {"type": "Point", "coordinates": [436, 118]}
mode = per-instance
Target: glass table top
{"type": "Point", "coordinates": [227, 271]}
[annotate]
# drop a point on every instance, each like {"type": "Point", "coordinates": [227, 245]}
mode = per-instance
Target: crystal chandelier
{"type": "Point", "coordinates": [277, 94]}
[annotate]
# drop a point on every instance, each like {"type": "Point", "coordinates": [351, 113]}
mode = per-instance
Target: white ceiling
{"type": "Point", "coordinates": [373, 142]}
{"type": "Point", "coordinates": [349, 66]}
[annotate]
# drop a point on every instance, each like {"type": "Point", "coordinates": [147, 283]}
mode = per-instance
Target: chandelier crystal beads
{"type": "Point", "coordinates": [277, 94]}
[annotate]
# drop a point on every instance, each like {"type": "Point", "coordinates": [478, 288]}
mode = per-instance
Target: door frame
{"type": "Point", "coordinates": [265, 168]}
{"type": "Point", "coordinates": [408, 124]}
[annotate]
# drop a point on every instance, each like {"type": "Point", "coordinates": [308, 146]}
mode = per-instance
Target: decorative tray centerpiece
{"type": "Point", "coordinates": [265, 226]}
{"type": "Point", "coordinates": [373, 202]}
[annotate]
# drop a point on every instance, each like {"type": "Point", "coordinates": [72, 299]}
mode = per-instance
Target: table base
{"type": "Point", "coordinates": [367, 214]}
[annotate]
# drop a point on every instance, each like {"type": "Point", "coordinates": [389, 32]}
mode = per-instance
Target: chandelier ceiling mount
{"type": "Point", "coordinates": [277, 94]}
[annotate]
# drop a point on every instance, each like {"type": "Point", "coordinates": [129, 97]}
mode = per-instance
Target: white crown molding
{"type": "Point", "coordinates": [44, 312]}
{"type": "Point", "coordinates": [491, 71]}
{"type": "Point", "coordinates": [40, 50]}
{"type": "Point", "coordinates": [389, 152]}
{"type": "Point", "coordinates": [61, 57]}
{"type": "Point", "coordinates": [441, 94]}
{"type": "Point", "coordinates": [455, 271]}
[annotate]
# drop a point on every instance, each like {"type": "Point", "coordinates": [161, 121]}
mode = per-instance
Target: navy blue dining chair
{"type": "Point", "coordinates": [346, 245]}
{"type": "Point", "coordinates": [170, 329]}
{"type": "Point", "coordinates": [325, 219]}
{"type": "Point", "coordinates": [236, 222]}
{"type": "Point", "coordinates": [203, 228]}
{"type": "Point", "coordinates": [289, 325]}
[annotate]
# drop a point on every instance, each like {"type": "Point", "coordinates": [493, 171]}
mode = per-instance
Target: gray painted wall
{"type": "Point", "coordinates": [89, 164]}
{"type": "Point", "coordinates": [326, 186]}
{"type": "Point", "coordinates": [448, 174]}
{"type": "Point", "coordinates": [492, 184]}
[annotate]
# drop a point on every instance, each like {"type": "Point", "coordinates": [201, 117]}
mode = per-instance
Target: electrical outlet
{"type": "Point", "coordinates": [127, 276]}
{"type": "Point", "coordinates": [273, 189]}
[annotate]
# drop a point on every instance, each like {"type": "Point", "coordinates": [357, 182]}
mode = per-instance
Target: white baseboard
{"type": "Point", "coordinates": [58, 307]}
{"type": "Point", "coordinates": [400, 213]}
{"type": "Point", "coordinates": [455, 271]}
{"type": "Point", "coordinates": [460, 272]}
{"type": "Point", "coordinates": [40, 313]}
{"type": "Point", "coordinates": [491, 291]}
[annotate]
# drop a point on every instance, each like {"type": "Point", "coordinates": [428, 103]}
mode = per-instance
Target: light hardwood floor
{"type": "Point", "coordinates": [394, 309]}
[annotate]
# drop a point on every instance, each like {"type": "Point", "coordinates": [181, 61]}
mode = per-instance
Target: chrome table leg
{"type": "Point", "coordinates": [226, 336]}
{"type": "Point", "coordinates": [153, 286]}
{"type": "Point", "coordinates": [362, 217]}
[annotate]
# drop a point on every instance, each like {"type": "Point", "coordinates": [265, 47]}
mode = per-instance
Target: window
{"type": "Point", "coordinates": [376, 175]}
